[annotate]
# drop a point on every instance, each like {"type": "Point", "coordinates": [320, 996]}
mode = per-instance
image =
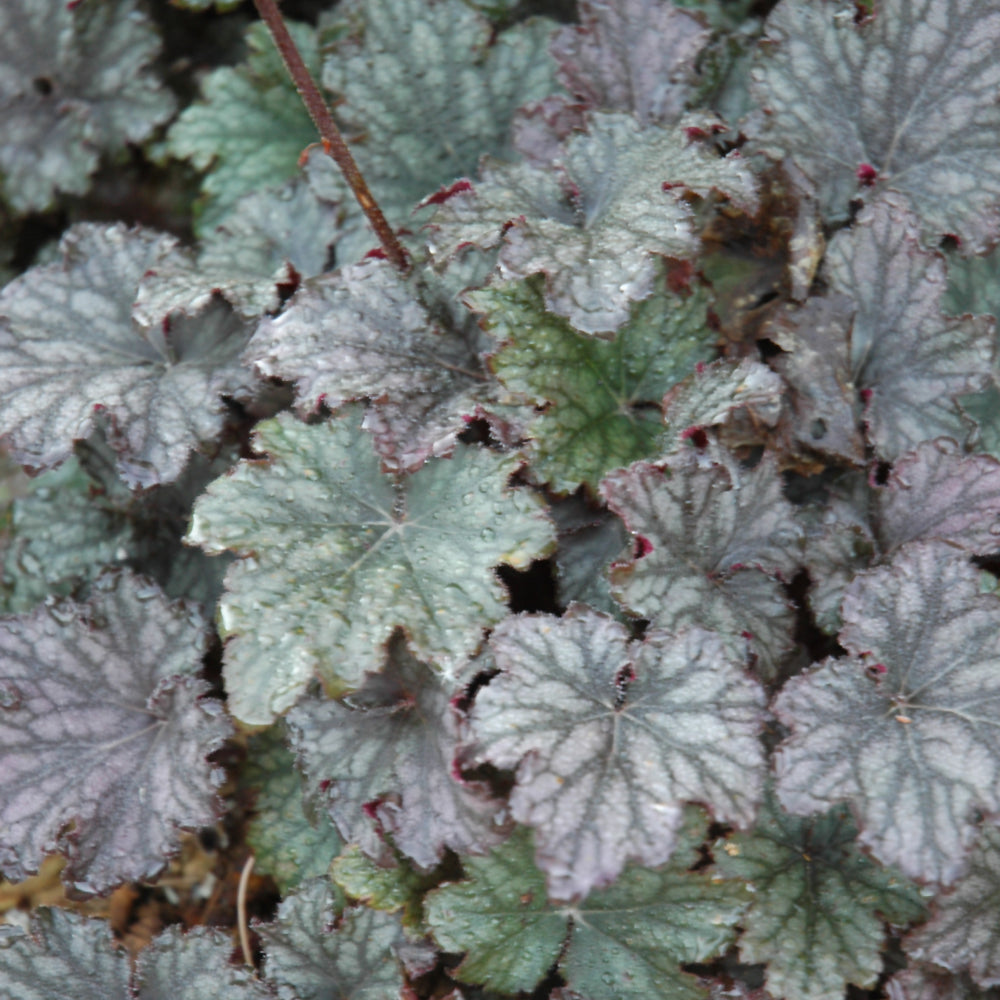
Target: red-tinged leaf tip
{"type": "Point", "coordinates": [370, 809]}
{"type": "Point", "coordinates": [680, 274]}
{"type": "Point", "coordinates": [447, 191]}
{"type": "Point", "coordinates": [695, 134]}
{"type": "Point", "coordinates": [73, 4]}
{"type": "Point", "coordinates": [697, 436]}
{"type": "Point", "coordinates": [376, 253]}
{"type": "Point", "coordinates": [878, 668]}
{"type": "Point", "coordinates": [643, 546]}
{"type": "Point", "coordinates": [700, 367]}
{"type": "Point", "coordinates": [668, 186]}
{"type": "Point", "coordinates": [866, 395]}
{"type": "Point", "coordinates": [99, 407]}
{"type": "Point", "coordinates": [736, 567]}
{"type": "Point", "coordinates": [867, 175]}
{"type": "Point", "coordinates": [324, 785]}
{"type": "Point", "coordinates": [747, 635]}
{"type": "Point", "coordinates": [467, 418]}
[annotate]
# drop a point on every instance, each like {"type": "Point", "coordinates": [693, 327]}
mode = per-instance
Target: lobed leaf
{"type": "Point", "coordinates": [342, 554]}
{"type": "Point", "coordinates": [714, 538]}
{"type": "Point", "coordinates": [902, 729]}
{"type": "Point", "coordinates": [75, 82]}
{"type": "Point", "coordinates": [104, 731]}
{"type": "Point", "coordinates": [71, 351]}
{"type": "Point", "coordinates": [384, 760]}
{"type": "Point", "coordinates": [601, 398]}
{"type": "Point", "coordinates": [904, 100]}
{"type": "Point", "coordinates": [610, 738]}
{"type": "Point", "coordinates": [818, 902]}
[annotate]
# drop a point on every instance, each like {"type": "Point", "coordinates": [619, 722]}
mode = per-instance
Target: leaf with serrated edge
{"type": "Point", "coordinates": [962, 934]}
{"type": "Point", "coordinates": [75, 81]}
{"type": "Point", "coordinates": [194, 966]}
{"type": "Point", "coordinates": [290, 840]}
{"type": "Point", "coordinates": [911, 743]}
{"type": "Point", "coordinates": [714, 536]}
{"type": "Point", "coordinates": [363, 331]}
{"type": "Point", "coordinates": [342, 554]}
{"type": "Point", "coordinates": [387, 755]}
{"type": "Point", "coordinates": [624, 941]}
{"type": "Point", "coordinates": [104, 732]}
{"type": "Point", "coordinates": [609, 739]}
{"type": "Point", "coordinates": [595, 237]}
{"type": "Point", "coordinates": [631, 55]}
{"type": "Point", "coordinates": [69, 345]}
{"type": "Point", "coordinates": [63, 955]}
{"type": "Point", "coordinates": [250, 127]}
{"type": "Point", "coordinates": [382, 885]}
{"type": "Point", "coordinates": [926, 982]}
{"type": "Point", "coordinates": [603, 397]}
{"type": "Point", "coordinates": [818, 902]}
{"type": "Point", "coordinates": [311, 958]}
{"type": "Point", "coordinates": [437, 55]}
{"type": "Point", "coordinates": [908, 97]}
{"type": "Point", "coordinates": [910, 359]}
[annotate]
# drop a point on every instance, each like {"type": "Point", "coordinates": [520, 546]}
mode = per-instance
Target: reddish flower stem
{"type": "Point", "coordinates": [333, 141]}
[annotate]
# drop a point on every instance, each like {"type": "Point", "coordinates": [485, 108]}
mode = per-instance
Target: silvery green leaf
{"type": "Point", "coordinates": [104, 731]}
{"type": "Point", "coordinates": [609, 739]}
{"type": "Point", "coordinates": [63, 956]}
{"type": "Point", "coordinates": [595, 231]}
{"type": "Point", "coordinates": [818, 905]}
{"type": "Point", "coordinates": [250, 126]}
{"type": "Point", "coordinates": [904, 100]}
{"type": "Point", "coordinates": [712, 539]}
{"type": "Point", "coordinates": [927, 982]}
{"type": "Point", "coordinates": [384, 759]}
{"type": "Point", "coordinates": [902, 729]}
{"type": "Point", "coordinates": [631, 55]}
{"type": "Point", "coordinates": [313, 951]}
{"type": "Point", "coordinates": [71, 350]}
{"type": "Point", "coordinates": [337, 554]}
{"type": "Point", "coordinates": [75, 82]}
{"type": "Point", "coordinates": [909, 360]}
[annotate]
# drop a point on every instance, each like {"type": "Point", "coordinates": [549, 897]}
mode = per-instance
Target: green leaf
{"type": "Point", "coordinates": [290, 840]}
{"type": "Point", "coordinates": [250, 127]}
{"type": "Point", "coordinates": [818, 902]}
{"type": "Point", "coordinates": [601, 398]}
{"type": "Point", "coordinates": [342, 554]}
{"type": "Point", "coordinates": [388, 887]}
{"type": "Point", "coordinates": [624, 943]}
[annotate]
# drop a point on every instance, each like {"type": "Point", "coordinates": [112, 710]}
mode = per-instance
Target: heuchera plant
{"type": "Point", "coordinates": [554, 536]}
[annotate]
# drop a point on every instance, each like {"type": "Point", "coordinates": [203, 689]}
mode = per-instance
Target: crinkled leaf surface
{"type": "Point", "coordinates": [909, 93]}
{"type": "Point", "coordinates": [75, 82]}
{"type": "Point", "coordinates": [926, 982]}
{"type": "Point", "coordinates": [631, 55]}
{"type": "Point", "coordinates": [70, 346]}
{"type": "Point", "coordinates": [594, 233]}
{"type": "Point", "coordinates": [715, 535]}
{"type": "Point", "coordinates": [385, 884]}
{"type": "Point", "coordinates": [963, 933]}
{"type": "Point", "coordinates": [194, 966]}
{"type": "Point", "coordinates": [63, 956]}
{"type": "Point", "coordinates": [909, 359]}
{"type": "Point", "coordinates": [250, 127]}
{"type": "Point", "coordinates": [310, 955]}
{"type": "Point", "coordinates": [343, 553]}
{"type": "Point", "coordinates": [610, 738]}
{"type": "Point", "coordinates": [623, 942]}
{"type": "Point", "coordinates": [903, 729]}
{"type": "Point", "coordinates": [818, 902]}
{"type": "Point", "coordinates": [364, 331]}
{"type": "Point", "coordinates": [589, 541]}
{"type": "Point", "coordinates": [601, 398]}
{"type": "Point", "coordinates": [290, 839]}
{"type": "Point", "coordinates": [103, 726]}
{"type": "Point", "coordinates": [272, 237]}
{"type": "Point", "coordinates": [385, 757]}
{"type": "Point", "coordinates": [438, 56]}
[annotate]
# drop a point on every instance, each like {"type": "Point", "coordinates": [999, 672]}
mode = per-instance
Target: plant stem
{"type": "Point", "coordinates": [333, 141]}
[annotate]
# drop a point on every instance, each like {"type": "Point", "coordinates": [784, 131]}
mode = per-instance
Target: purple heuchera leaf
{"type": "Point", "coordinates": [387, 754]}
{"type": "Point", "coordinates": [717, 536]}
{"type": "Point", "coordinates": [363, 331]}
{"type": "Point", "coordinates": [592, 230]}
{"type": "Point", "coordinates": [908, 360]}
{"type": "Point", "coordinates": [610, 738]}
{"type": "Point", "coordinates": [631, 55]}
{"type": "Point", "coordinates": [903, 728]}
{"type": "Point", "coordinates": [906, 99]}
{"type": "Point", "coordinates": [104, 732]}
{"type": "Point", "coordinates": [70, 349]}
